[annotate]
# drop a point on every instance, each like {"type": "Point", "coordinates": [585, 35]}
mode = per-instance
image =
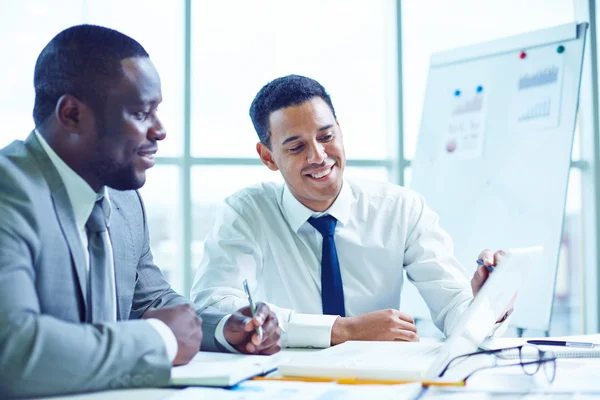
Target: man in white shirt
{"type": "Point", "coordinates": [83, 307]}
{"type": "Point", "coordinates": [327, 254]}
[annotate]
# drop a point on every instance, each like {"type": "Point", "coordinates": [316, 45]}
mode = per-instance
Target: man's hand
{"type": "Point", "coordinates": [240, 330]}
{"type": "Point", "coordinates": [377, 325]}
{"type": "Point", "coordinates": [185, 325]}
{"type": "Point", "coordinates": [481, 274]}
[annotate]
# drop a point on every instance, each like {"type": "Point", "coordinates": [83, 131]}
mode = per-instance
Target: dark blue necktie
{"type": "Point", "coordinates": [332, 291]}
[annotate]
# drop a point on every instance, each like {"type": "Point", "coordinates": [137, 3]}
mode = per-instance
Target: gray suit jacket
{"type": "Point", "coordinates": [46, 346]}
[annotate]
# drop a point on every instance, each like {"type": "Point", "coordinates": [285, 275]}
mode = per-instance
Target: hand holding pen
{"type": "Point", "coordinates": [259, 330]}
{"type": "Point", "coordinates": [253, 329]}
{"type": "Point", "coordinates": [486, 262]}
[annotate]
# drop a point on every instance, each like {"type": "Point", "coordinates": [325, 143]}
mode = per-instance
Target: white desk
{"type": "Point", "coordinates": [573, 375]}
{"type": "Point", "coordinates": [130, 394]}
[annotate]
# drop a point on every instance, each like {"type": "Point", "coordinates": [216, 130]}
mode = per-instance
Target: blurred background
{"type": "Point", "coordinates": [372, 56]}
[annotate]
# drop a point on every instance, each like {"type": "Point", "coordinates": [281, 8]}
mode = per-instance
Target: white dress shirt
{"type": "Point", "coordinates": [82, 199]}
{"type": "Point", "coordinates": [262, 235]}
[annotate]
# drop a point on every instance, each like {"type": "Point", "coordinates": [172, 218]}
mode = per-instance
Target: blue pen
{"type": "Point", "coordinates": [488, 267]}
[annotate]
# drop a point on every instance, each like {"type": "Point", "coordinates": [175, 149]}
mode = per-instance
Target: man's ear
{"type": "Point", "coordinates": [265, 156]}
{"type": "Point", "coordinates": [70, 112]}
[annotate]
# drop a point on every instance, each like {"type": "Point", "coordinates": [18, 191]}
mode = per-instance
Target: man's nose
{"type": "Point", "coordinates": [157, 131]}
{"type": "Point", "coordinates": [316, 153]}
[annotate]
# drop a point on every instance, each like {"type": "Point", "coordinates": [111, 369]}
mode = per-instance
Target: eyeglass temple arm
{"type": "Point", "coordinates": [491, 352]}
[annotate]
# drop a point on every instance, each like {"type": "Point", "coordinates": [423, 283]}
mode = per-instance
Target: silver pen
{"type": "Point", "coordinates": [259, 330]}
{"type": "Point", "coordinates": [565, 343]}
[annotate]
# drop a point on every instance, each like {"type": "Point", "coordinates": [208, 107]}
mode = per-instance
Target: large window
{"type": "Point", "coordinates": [25, 28]}
{"type": "Point", "coordinates": [213, 57]}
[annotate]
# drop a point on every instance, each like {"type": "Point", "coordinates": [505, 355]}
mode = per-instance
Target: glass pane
{"type": "Point", "coordinates": [576, 153]}
{"type": "Point", "coordinates": [458, 23]}
{"type": "Point", "coordinates": [210, 186]}
{"type": "Point", "coordinates": [26, 27]}
{"type": "Point", "coordinates": [567, 312]}
{"type": "Point", "coordinates": [367, 173]}
{"type": "Point", "coordinates": [407, 176]}
{"type": "Point", "coordinates": [159, 26]}
{"type": "Point", "coordinates": [162, 199]}
{"type": "Point", "coordinates": [347, 45]}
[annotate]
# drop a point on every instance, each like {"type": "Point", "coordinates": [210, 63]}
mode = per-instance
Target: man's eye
{"type": "Point", "coordinates": [296, 148]}
{"type": "Point", "coordinates": [327, 137]}
{"type": "Point", "coordinates": [141, 115]}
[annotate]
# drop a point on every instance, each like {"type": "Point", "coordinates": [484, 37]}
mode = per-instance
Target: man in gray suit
{"type": "Point", "coordinates": [82, 305]}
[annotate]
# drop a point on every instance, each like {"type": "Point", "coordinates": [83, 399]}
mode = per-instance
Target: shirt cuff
{"type": "Point", "coordinates": [167, 336]}
{"type": "Point", "coordinates": [220, 335]}
{"type": "Point", "coordinates": [308, 330]}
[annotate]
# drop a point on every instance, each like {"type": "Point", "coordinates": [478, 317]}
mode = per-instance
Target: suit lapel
{"type": "Point", "coordinates": [64, 212]}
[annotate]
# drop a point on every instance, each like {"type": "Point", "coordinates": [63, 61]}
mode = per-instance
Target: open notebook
{"type": "Point", "coordinates": [423, 360]}
{"type": "Point", "coordinates": [221, 369]}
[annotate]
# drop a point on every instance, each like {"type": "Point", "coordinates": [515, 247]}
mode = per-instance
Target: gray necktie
{"type": "Point", "coordinates": [100, 293]}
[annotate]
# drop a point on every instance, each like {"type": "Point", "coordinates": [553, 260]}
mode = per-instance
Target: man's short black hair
{"type": "Point", "coordinates": [84, 61]}
{"type": "Point", "coordinates": [287, 91]}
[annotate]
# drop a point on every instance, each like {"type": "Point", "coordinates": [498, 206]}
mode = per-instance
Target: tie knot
{"type": "Point", "coordinates": [97, 220]}
{"type": "Point", "coordinates": [325, 224]}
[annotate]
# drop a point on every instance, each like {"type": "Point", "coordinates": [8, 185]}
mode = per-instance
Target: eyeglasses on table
{"type": "Point", "coordinates": [531, 359]}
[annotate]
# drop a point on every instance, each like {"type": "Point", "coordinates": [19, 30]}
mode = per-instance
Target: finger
{"type": "Point", "coordinates": [262, 312]}
{"type": "Point", "coordinates": [487, 256]}
{"type": "Point", "coordinates": [248, 324]}
{"type": "Point", "coordinates": [246, 347]}
{"type": "Point", "coordinates": [275, 348]}
{"type": "Point", "coordinates": [256, 340]}
{"type": "Point", "coordinates": [270, 328]}
{"type": "Point", "coordinates": [407, 326]}
{"type": "Point", "coordinates": [482, 274]}
{"type": "Point", "coordinates": [251, 348]}
{"type": "Point", "coordinates": [498, 256]}
{"type": "Point", "coordinates": [270, 346]}
{"type": "Point", "coordinates": [239, 322]}
{"type": "Point", "coordinates": [268, 340]}
{"type": "Point", "coordinates": [237, 325]}
{"type": "Point", "coordinates": [405, 335]}
{"type": "Point", "coordinates": [406, 317]}
{"type": "Point", "coordinates": [245, 311]}
{"type": "Point", "coordinates": [273, 317]}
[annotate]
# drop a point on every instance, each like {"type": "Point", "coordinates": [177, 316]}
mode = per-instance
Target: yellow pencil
{"type": "Point", "coordinates": [355, 381]}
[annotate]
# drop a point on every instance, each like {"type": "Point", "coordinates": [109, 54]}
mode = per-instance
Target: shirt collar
{"type": "Point", "coordinates": [81, 195]}
{"type": "Point", "coordinates": [297, 213]}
